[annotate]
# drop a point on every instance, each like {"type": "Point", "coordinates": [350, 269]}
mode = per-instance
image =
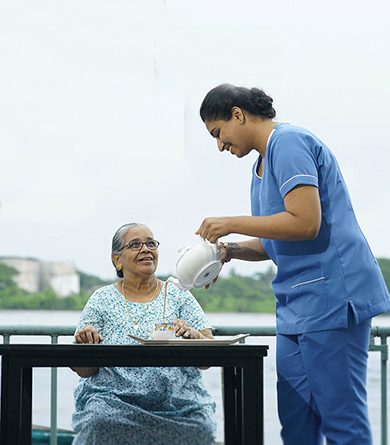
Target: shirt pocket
{"type": "Point", "coordinates": [307, 294]}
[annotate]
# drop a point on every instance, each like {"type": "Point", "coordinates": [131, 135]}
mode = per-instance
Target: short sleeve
{"type": "Point", "coordinates": [91, 314]}
{"type": "Point", "coordinates": [192, 313]}
{"type": "Point", "coordinates": [293, 161]}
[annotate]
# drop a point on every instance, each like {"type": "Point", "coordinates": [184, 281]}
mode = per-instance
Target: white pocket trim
{"type": "Point", "coordinates": [307, 282]}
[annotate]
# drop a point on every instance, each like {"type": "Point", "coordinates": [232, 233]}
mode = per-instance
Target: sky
{"type": "Point", "coordinates": [99, 115]}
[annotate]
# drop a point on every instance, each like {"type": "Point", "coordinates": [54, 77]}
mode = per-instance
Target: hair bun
{"type": "Point", "coordinates": [219, 101]}
{"type": "Point", "coordinates": [261, 100]}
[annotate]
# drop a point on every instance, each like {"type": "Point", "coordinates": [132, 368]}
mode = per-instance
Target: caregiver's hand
{"type": "Point", "coordinates": [225, 252]}
{"type": "Point", "coordinates": [214, 227]}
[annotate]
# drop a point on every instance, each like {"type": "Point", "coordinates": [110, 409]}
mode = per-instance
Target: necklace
{"type": "Point", "coordinates": [136, 323]}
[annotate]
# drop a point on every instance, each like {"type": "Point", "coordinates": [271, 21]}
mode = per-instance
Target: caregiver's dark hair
{"type": "Point", "coordinates": [219, 102]}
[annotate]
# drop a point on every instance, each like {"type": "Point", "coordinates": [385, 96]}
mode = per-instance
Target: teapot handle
{"type": "Point", "coordinates": [216, 243]}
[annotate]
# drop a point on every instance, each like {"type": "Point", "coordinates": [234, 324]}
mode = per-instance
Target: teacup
{"type": "Point", "coordinates": [164, 331]}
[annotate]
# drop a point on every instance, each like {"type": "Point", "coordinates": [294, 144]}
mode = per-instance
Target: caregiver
{"type": "Point", "coordinates": [328, 284]}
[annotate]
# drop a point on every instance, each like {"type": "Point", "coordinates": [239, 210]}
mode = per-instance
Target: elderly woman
{"type": "Point", "coordinates": [140, 406]}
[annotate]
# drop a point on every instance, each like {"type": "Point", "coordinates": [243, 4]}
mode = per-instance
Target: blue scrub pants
{"type": "Point", "coordinates": [322, 386]}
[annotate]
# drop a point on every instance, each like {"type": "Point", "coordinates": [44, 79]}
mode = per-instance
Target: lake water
{"type": "Point", "coordinates": [212, 377]}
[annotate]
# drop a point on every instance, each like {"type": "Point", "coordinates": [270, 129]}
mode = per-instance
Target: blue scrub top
{"type": "Point", "coordinates": [317, 279]}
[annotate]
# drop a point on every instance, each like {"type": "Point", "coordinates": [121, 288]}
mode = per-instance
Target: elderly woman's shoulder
{"type": "Point", "coordinates": [109, 290]}
{"type": "Point", "coordinates": [179, 293]}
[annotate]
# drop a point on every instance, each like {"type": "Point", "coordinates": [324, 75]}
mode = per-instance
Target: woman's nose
{"type": "Point", "coordinates": [220, 145]}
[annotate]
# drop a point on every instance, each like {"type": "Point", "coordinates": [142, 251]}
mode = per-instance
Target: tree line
{"type": "Point", "coordinates": [232, 293]}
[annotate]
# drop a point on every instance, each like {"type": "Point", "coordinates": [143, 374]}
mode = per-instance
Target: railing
{"type": "Point", "coordinates": [6, 331]}
{"type": "Point", "coordinates": [50, 331]}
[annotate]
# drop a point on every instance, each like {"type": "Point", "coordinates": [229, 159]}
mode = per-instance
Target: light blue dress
{"type": "Point", "coordinates": [142, 406]}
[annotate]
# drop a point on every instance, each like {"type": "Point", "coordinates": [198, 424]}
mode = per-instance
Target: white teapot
{"type": "Point", "coordinates": [197, 265]}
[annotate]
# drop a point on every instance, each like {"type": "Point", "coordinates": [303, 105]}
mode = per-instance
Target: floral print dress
{"type": "Point", "coordinates": [142, 406]}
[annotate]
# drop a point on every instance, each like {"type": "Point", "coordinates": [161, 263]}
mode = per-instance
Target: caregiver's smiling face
{"type": "Point", "coordinates": [232, 135]}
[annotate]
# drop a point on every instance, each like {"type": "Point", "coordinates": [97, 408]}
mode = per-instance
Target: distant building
{"type": "Point", "coordinates": [35, 275]}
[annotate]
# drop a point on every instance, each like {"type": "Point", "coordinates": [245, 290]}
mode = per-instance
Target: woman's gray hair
{"type": "Point", "coordinates": [117, 241]}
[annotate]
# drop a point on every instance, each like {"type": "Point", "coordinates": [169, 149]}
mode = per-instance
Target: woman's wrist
{"type": "Point", "coordinates": [230, 248]}
{"type": "Point", "coordinates": [226, 257]}
{"type": "Point", "coordinates": [196, 334]}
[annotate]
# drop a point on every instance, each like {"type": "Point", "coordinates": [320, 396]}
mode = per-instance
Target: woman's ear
{"type": "Point", "coordinates": [238, 114]}
{"type": "Point", "coordinates": [116, 261]}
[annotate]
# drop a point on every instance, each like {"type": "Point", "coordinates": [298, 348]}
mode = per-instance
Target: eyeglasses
{"type": "Point", "coordinates": [151, 244]}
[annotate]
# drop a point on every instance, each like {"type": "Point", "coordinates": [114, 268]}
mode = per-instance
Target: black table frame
{"type": "Point", "coordinates": [242, 380]}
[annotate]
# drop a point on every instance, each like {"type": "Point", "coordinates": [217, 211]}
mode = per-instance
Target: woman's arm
{"type": "Point", "coordinates": [90, 335]}
{"type": "Point", "coordinates": [85, 372]}
{"type": "Point", "coordinates": [301, 220]}
{"type": "Point", "coordinates": [251, 250]}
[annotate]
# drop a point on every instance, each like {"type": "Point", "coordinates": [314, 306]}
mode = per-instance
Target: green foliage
{"type": "Point", "coordinates": [6, 276]}
{"type": "Point", "coordinates": [89, 283]}
{"type": "Point", "coordinates": [11, 297]}
{"type": "Point", "coordinates": [234, 293]}
{"type": "Point", "coordinates": [237, 293]}
{"type": "Point", "coordinates": [384, 264]}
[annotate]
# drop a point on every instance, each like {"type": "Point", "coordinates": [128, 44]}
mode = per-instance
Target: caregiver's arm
{"type": "Point", "coordinates": [251, 250]}
{"type": "Point", "coordinates": [301, 220]}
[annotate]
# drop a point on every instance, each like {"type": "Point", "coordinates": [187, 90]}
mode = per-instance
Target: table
{"type": "Point", "coordinates": [242, 380]}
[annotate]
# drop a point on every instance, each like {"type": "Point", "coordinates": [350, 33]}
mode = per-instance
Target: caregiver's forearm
{"type": "Point", "coordinates": [251, 250]}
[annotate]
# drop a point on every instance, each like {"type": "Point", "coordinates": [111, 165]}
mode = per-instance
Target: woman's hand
{"type": "Point", "coordinates": [88, 334]}
{"type": "Point", "coordinates": [183, 329]}
{"type": "Point", "coordinates": [214, 227]}
{"type": "Point", "coordinates": [225, 252]}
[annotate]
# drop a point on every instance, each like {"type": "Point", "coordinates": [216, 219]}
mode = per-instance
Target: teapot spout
{"type": "Point", "coordinates": [177, 283]}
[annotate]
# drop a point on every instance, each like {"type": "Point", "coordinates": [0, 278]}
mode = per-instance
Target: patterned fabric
{"type": "Point", "coordinates": [142, 406]}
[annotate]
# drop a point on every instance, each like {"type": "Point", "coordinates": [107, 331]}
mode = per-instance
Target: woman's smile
{"type": "Point", "coordinates": [146, 259]}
